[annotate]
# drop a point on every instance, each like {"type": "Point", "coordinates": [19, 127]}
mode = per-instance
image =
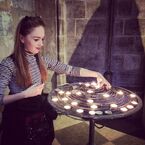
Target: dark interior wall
{"type": "Point", "coordinates": [127, 53]}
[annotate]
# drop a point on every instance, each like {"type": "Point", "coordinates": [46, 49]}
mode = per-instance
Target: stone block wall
{"type": "Point", "coordinates": [128, 47]}
{"type": "Point", "coordinates": [10, 13]}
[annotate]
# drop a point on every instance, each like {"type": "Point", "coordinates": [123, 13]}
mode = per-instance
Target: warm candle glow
{"type": "Point", "coordinates": [80, 110]}
{"type": "Point", "coordinates": [54, 99]}
{"type": "Point", "coordinates": [134, 102]}
{"type": "Point", "coordinates": [106, 95]}
{"type": "Point", "coordinates": [64, 99]}
{"type": "Point", "coordinates": [90, 91]}
{"type": "Point", "coordinates": [120, 92]}
{"type": "Point", "coordinates": [130, 106]}
{"type": "Point", "coordinates": [68, 93]}
{"type": "Point", "coordinates": [90, 101]}
{"type": "Point", "coordinates": [113, 105]}
{"type": "Point", "coordinates": [67, 107]}
{"type": "Point", "coordinates": [123, 109]}
{"type": "Point", "coordinates": [74, 103]}
{"type": "Point", "coordinates": [92, 112]}
{"type": "Point", "coordinates": [94, 106]}
{"type": "Point", "coordinates": [61, 92]}
{"type": "Point", "coordinates": [78, 93]}
{"type": "Point", "coordinates": [132, 95]}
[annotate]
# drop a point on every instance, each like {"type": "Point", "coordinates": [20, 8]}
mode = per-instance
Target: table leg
{"type": "Point", "coordinates": [91, 132]}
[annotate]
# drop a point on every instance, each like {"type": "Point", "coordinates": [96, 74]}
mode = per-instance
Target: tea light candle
{"type": "Point", "coordinates": [132, 95]}
{"type": "Point", "coordinates": [123, 109]}
{"type": "Point", "coordinates": [92, 112]}
{"type": "Point", "coordinates": [94, 106]}
{"type": "Point", "coordinates": [64, 99]}
{"type": "Point", "coordinates": [90, 91]}
{"type": "Point", "coordinates": [67, 107]}
{"type": "Point", "coordinates": [130, 106]}
{"type": "Point", "coordinates": [113, 105]}
{"type": "Point", "coordinates": [106, 95]}
{"type": "Point", "coordinates": [61, 92]}
{"type": "Point", "coordinates": [99, 112]}
{"type": "Point", "coordinates": [90, 101]}
{"type": "Point", "coordinates": [120, 92]}
{"type": "Point", "coordinates": [134, 102]}
{"type": "Point", "coordinates": [68, 93]}
{"type": "Point", "coordinates": [80, 110]}
{"type": "Point", "coordinates": [54, 99]}
{"type": "Point", "coordinates": [74, 103]}
{"type": "Point", "coordinates": [78, 93]}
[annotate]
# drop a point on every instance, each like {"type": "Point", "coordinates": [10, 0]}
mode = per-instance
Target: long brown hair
{"type": "Point", "coordinates": [25, 26]}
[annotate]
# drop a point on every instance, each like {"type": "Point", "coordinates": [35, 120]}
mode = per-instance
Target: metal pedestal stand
{"type": "Point", "coordinates": [91, 132]}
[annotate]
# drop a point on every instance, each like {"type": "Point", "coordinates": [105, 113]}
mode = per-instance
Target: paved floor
{"type": "Point", "coordinates": [75, 132]}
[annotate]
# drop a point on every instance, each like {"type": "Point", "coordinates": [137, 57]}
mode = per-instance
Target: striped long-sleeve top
{"type": "Point", "coordinates": [8, 72]}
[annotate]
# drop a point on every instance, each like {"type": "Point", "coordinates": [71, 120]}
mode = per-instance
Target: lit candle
{"type": "Point", "coordinates": [54, 99]}
{"type": "Point", "coordinates": [87, 84]}
{"type": "Point", "coordinates": [94, 106]}
{"type": "Point", "coordinates": [78, 93]}
{"type": "Point", "coordinates": [67, 107]}
{"type": "Point", "coordinates": [92, 112]}
{"type": "Point", "coordinates": [130, 106]}
{"type": "Point", "coordinates": [134, 102]}
{"type": "Point", "coordinates": [80, 110]}
{"type": "Point", "coordinates": [61, 92]}
{"type": "Point", "coordinates": [123, 109]}
{"type": "Point", "coordinates": [74, 103]}
{"type": "Point", "coordinates": [90, 91]}
{"type": "Point", "coordinates": [113, 105]}
{"type": "Point", "coordinates": [64, 99]}
{"type": "Point", "coordinates": [106, 95]}
{"type": "Point", "coordinates": [68, 93]}
{"type": "Point", "coordinates": [90, 101]}
{"type": "Point", "coordinates": [132, 95]}
{"type": "Point", "coordinates": [120, 92]}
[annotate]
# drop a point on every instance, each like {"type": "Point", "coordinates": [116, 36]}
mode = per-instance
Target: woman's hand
{"type": "Point", "coordinates": [33, 90]}
{"type": "Point", "coordinates": [100, 78]}
{"type": "Point", "coordinates": [102, 81]}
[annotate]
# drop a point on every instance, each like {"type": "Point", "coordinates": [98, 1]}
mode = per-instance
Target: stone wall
{"type": "Point", "coordinates": [128, 48]}
{"type": "Point", "coordinates": [10, 13]}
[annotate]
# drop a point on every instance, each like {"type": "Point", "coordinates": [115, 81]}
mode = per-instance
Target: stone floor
{"type": "Point", "coordinates": [70, 131]}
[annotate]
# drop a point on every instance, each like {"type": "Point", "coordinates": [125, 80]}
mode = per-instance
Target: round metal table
{"type": "Point", "coordinates": [90, 101]}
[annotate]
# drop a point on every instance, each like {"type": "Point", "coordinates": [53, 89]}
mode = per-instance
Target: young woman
{"type": "Point", "coordinates": [25, 120]}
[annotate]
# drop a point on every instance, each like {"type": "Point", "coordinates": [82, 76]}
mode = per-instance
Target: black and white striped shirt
{"type": "Point", "coordinates": [8, 73]}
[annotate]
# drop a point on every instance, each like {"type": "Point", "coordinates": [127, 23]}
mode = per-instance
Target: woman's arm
{"type": "Point", "coordinates": [32, 91]}
{"type": "Point", "coordinates": [62, 68]}
{"type": "Point", "coordinates": [6, 73]}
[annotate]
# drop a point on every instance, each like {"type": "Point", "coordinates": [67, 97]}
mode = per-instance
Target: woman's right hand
{"type": "Point", "coordinates": [33, 90]}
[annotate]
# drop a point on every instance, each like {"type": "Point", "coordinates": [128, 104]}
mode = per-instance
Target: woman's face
{"type": "Point", "coordinates": [33, 42]}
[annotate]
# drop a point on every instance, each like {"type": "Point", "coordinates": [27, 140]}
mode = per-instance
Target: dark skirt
{"type": "Point", "coordinates": [20, 127]}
